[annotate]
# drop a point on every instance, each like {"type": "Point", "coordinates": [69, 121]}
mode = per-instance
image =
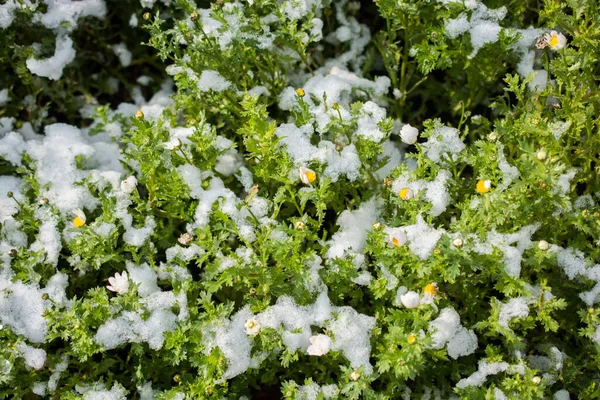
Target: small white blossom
{"type": "Point", "coordinates": [129, 184]}
{"type": "Point", "coordinates": [119, 283]}
{"type": "Point", "coordinates": [319, 345]}
{"type": "Point", "coordinates": [252, 327]}
{"type": "Point", "coordinates": [543, 245]}
{"type": "Point", "coordinates": [555, 40]}
{"type": "Point", "coordinates": [173, 144]}
{"type": "Point", "coordinates": [410, 299]}
{"type": "Point", "coordinates": [541, 155]}
{"type": "Point", "coordinates": [409, 134]}
{"type": "Point", "coordinates": [457, 242]}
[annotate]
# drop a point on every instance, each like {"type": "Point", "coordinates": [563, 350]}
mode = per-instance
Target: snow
{"type": "Point", "coordinates": [4, 96]}
{"type": "Point", "coordinates": [123, 53]}
{"type": "Point", "coordinates": [351, 332]}
{"type": "Point", "coordinates": [64, 13]}
{"type": "Point", "coordinates": [52, 67]}
{"type": "Point", "coordinates": [442, 142]}
{"type": "Point", "coordinates": [514, 308]}
{"type": "Point", "coordinates": [422, 238]}
{"type": "Point", "coordinates": [354, 226]}
{"type": "Point", "coordinates": [463, 343]}
{"type": "Point", "coordinates": [444, 327]}
{"type": "Point", "coordinates": [99, 392]}
{"type": "Point", "coordinates": [484, 370]}
{"type": "Point", "coordinates": [34, 358]}
{"type": "Point", "coordinates": [482, 26]}
{"type": "Point", "coordinates": [7, 13]}
{"type": "Point", "coordinates": [212, 80]}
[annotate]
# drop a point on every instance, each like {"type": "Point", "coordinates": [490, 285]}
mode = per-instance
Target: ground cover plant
{"type": "Point", "coordinates": [299, 199]}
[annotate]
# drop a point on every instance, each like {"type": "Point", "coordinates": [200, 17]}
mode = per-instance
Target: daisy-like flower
{"type": "Point", "coordinates": [406, 193]}
{"type": "Point", "coordinates": [431, 289]}
{"type": "Point", "coordinates": [555, 40]}
{"type": "Point", "coordinates": [409, 134]}
{"type": "Point", "coordinates": [307, 175]}
{"type": "Point", "coordinates": [252, 327]}
{"type": "Point", "coordinates": [119, 283]}
{"type": "Point", "coordinates": [319, 345]}
{"type": "Point", "coordinates": [79, 219]}
{"type": "Point", "coordinates": [483, 186]}
{"type": "Point", "coordinates": [173, 144]}
{"type": "Point", "coordinates": [129, 184]}
{"type": "Point", "coordinates": [398, 239]}
{"type": "Point", "coordinates": [410, 299]}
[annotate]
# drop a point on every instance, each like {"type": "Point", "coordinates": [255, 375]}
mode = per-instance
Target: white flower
{"type": "Point", "coordinates": [555, 40]}
{"type": "Point", "coordinates": [457, 242]}
{"type": "Point", "coordinates": [128, 185]}
{"type": "Point", "coordinates": [185, 238]}
{"type": "Point", "coordinates": [319, 345]}
{"type": "Point", "coordinates": [80, 218]}
{"type": "Point", "coordinates": [410, 299]}
{"type": "Point", "coordinates": [173, 144]}
{"type": "Point", "coordinates": [543, 245]}
{"type": "Point", "coordinates": [408, 134]}
{"type": "Point", "coordinates": [119, 283]}
{"type": "Point", "coordinates": [541, 155]}
{"type": "Point", "coordinates": [252, 327]}
{"type": "Point", "coordinates": [307, 175]}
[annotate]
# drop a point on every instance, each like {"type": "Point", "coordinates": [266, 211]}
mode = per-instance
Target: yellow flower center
{"type": "Point", "coordinates": [431, 289]}
{"type": "Point", "coordinates": [310, 176]}
{"type": "Point", "coordinates": [553, 41]}
{"type": "Point", "coordinates": [300, 92]}
{"type": "Point", "coordinates": [78, 222]}
{"type": "Point", "coordinates": [483, 186]}
{"type": "Point", "coordinates": [411, 339]}
{"type": "Point", "coordinates": [251, 324]}
{"type": "Point", "coordinates": [406, 194]}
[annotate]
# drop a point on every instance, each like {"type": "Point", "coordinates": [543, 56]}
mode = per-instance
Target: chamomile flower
{"type": "Point", "coordinates": [406, 193]}
{"type": "Point", "coordinates": [252, 327]}
{"type": "Point", "coordinates": [119, 283]}
{"type": "Point", "coordinates": [398, 239]}
{"type": "Point", "coordinates": [410, 299]}
{"type": "Point", "coordinates": [431, 289]}
{"type": "Point", "coordinates": [307, 175]}
{"type": "Point", "coordinates": [409, 134]}
{"type": "Point", "coordinates": [129, 184]}
{"type": "Point", "coordinates": [555, 40]}
{"type": "Point", "coordinates": [319, 345]}
{"type": "Point", "coordinates": [79, 219]}
{"type": "Point", "coordinates": [483, 186]}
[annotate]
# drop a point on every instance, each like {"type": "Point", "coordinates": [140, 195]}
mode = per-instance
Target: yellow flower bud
{"type": "Point", "coordinates": [411, 339]}
{"type": "Point", "coordinates": [139, 115]}
{"type": "Point", "coordinates": [300, 92]}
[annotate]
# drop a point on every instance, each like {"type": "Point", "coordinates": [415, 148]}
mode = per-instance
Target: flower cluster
{"type": "Point", "coordinates": [330, 199]}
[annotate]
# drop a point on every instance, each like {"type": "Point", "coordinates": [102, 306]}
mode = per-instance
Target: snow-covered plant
{"type": "Point", "coordinates": [299, 199]}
